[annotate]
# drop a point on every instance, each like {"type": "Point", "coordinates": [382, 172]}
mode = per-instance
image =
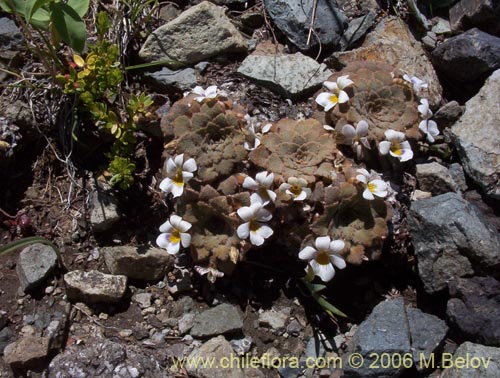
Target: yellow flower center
{"type": "Point", "coordinates": [323, 258]}
{"type": "Point", "coordinates": [178, 179]}
{"type": "Point", "coordinates": [175, 237]}
{"type": "Point", "coordinates": [334, 98]}
{"type": "Point", "coordinates": [296, 190]}
{"type": "Point", "coordinates": [254, 226]}
{"type": "Point", "coordinates": [371, 187]}
{"type": "Point", "coordinates": [396, 148]}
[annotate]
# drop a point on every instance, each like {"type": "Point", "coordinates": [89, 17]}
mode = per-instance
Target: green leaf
{"type": "Point", "coordinates": [80, 6]}
{"type": "Point", "coordinates": [69, 25]}
{"type": "Point", "coordinates": [41, 19]}
{"type": "Point", "coordinates": [6, 5]}
{"type": "Point", "coordinates": [32, 6]}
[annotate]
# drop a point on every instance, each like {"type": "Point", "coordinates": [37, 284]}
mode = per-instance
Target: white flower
{"type": "Point", "coordinates": [262, 185]}
{"type": "Point", "coordinates": [396, 145]}
{"type": "Point", "coordinates": [174, 234]}
{"type": "Point", "coordinates": [178, 174]}
{"type": "Point", "coordinates": [296, 188]}
{"type": "Point", "coordinates": [337, 95]}
{"type": "Point", "coordinates": [357, 137]}
{"type": "Point", "coordinates": [212, 274]}
{"type": "Point", "coordinates": [324, 257]}
{"type": "Point", "coordinates": [427, 126]}
{"type": "Point", "coordinates": [417, 84]}
{"type": "Point", "coordinates": [254, 216]}
{"type": "Point", "coordinates": [255, 132]}
{"type": "Point", "coordinates": [210, 92]}
{"type": "Point", "coordinates": [374, 186]}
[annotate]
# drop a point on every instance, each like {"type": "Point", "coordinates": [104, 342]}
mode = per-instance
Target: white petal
{"type": "Point", "coordinates": [256, 239]}
{"type": "Point", "coordinates": [380, 185]}
{"type": "Point", "coordinates": [175, 220]}
{"type": "Point", "coordinates": [384, 147]}
{"type": "Point", "coordinates": [424, 108]}
{"type": "Point", "coordinates": [406, 155]}
{"type": "Point", "coordinates": [364, 141]}
{"type": "Point", "coordinates": [171, 167]}
{"type": "Point", "coordinates": [368, 195]}
{"type": "Point", "coordinates": [265, 231]}
{"type": "Point", "coordinates": [432, 128]}
{"type": "Point", "coordinates": [344, 82]}
{"type": "Point", "coordinates": [266, 128]}
{"type": "Point", "coordinates": [393, 135]}
{"type": "Point", "coordinates": [243, 230]}
{"type": "Point", "coordinates": [332, 86]}
{"type": "Point", "coordinates": [246, 213]}
{"type": "Point", "coordinates": [268, 180]}
{"type": "Point", "coordinates": [322, 243]}
{"type": "Point", "coordinates": [178, 160]}
{"type": "Point", "coordinates": [362, 128]}
{"type": "Point", "coordinates": [211, 91]}
{"type": "Point", "coordinates": [162, 240]}
{"type": "Point", "coordinates": [338, 261]}
{"type": "Point", "coordinates": [271, 195]}
{"type": "Point", "coordinates": [256, 197]}
{"type": "Point", "coordinates": [185, 239]}
{"type": "Point", "coordinates": [199, 91]}
{"type": "Point", "coordinates": [184, 226]}
{"type": "Point", "coordinates": [301, 197]}
{"type": "Point", "coordinates": [177, 190]}
{"type": "Point", "coordinates": [364, 172]}
{"type": "Point", "coordinates": [328, 128]}
{"type": "Point", "coordinates": [186, 176]}
{"type": "Point", "coordinates": [166, 227]}
{"type": "Point", "coordinates": [263, 215]}
{"type": "Point", "coordinates": [189, 165]}
{"type": "Point", "coordinates": [324, 99]}
{"type": "Point", "coordinates": [343, 97]}
{"type": "Point", "coordinates": [308, 253]}
{"type": "Point", "coordinates": [249, 183]}
{"type": "Point", "coordinates": [325, 272]}
{"type": "Point", "coordinates": [337, 246]}
{"type": "Point", "coordinates": [284, 187]}
{"type": "Point", "coordinates": [349, 132]}
{"type": "Point", "coordinates": [166, 185]}
{"type": "Point", "coordinates": [173, 248]}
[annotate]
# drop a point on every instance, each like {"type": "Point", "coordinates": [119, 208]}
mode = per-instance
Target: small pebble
{"type": "Point", "coordinates": [49, 289]}
{"type": "Point", "coordinates": [103, 316]}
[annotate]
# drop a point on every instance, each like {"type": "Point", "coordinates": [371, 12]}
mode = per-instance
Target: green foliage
{"type": "Point", "coordinates": [63, 20]}
{"type": "Point", "coordinates": [121, 170]}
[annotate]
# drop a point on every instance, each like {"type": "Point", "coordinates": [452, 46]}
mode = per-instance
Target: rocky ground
{"type": "Point", "coordinates": [107, 302]}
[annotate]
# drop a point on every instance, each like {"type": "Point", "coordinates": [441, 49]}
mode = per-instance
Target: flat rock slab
{"type": "Point", "coordinates": [166, 78]}
{"type": "Point", "coordinates": [219, 320]}
{"type": "Point", "coordinates": [385, 330]}
{"type": "Point", "coordinates": [293, 18]}
{"type": "Point", "coordinates": [393, 43]}
{"type": "Point", "coordinates": [468, 56]}
{"type": "Point", "coordinates": [466, 14]}
{"type": "Point", "coordinates": [451, 240]}
{"type": "Point", "coordinates": [474, 309]}
{"type": "Point", "coordinates": [486, 362]}
{"type": "Point", "coordinates": [291, 76]}
{"type": "Point", "coordinates": [104, 213]}
{"type": "Point", "coordinates": [29, 352]}
{"type": "Point", "coordinates": [94, 287]}
{"type": "Point", "coordinates": [435, 178]}
{"type": "Point", "coordinates": [140, 263]}
{"type": "Point", "coordinates": [35, 265]}
{"type": "Point", "coordinates": [199, 33]}
{"type": "Point", "coordinates": [477, 136]}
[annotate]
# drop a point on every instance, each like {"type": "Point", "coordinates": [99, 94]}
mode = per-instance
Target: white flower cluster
{"type": "Point", "coordinates": [336, 94]}
{"type": "Point", "coordinates": [255, 130]}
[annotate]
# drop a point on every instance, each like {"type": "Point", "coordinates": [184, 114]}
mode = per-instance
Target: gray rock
{"type": "Point", "coordinates": [169, 11]}
{"type": "Point", "coordinates": [484, 362]}
{"type": "Point", "coordinates": [186, 322]}
{"type": "Point", "coordinates": [36, 263]}
{"type": "Point", "coordinates": [11, 37]}
{"type": "Point", "coordinates": [184, 79]}
{"type": "Point", "coordinates": [104, 358]}
{"type": "Point", "coordinates": [291, 76]}
{"type": "Point", "coordinates": [427, 333]}
{"type": "Point", "coordinates": [477, 136]}
{"type": "Point", "coordinates": [448, 114]}
{"type": "Point", "coordinates": [457, 173]}
{"type": "Point", "coordinates": [273, 319]}
{"type": "Point", "coordinates": [199, 33]}
{"type": "Point", "coordinates": [94, 287]}
{"type": "Point", "coordinates": [3, 319]}
{"type": "Point", "coordinates": [219, 320]}
{"type": "Point", "coordinates": [29, 352]}
{"type": "Point", "coordinates": [293, 18]}
{"type": "Point", "coordinates": [357, 30]}
{"type": "Point", "coordinates": [429, 41]}
{"type": "Point", "coordinates": [140, 263]}
{"type": "Point", "coordinates": [6, 335]}
{"type": "Point", "coordinates": [474, 309]}
{"type": "Point", "coordinates": [451, 240]}
{"type": "Point", "coordinates": [142, 299]}
{"type": "Point", "coordinates": [441, 26]}
{"type": "Point", "coordinates": [384, 331]}
{"type": "Point", "coordinates": [104, 213]}
{"type": "Point", "coordinates": [435, 178]}
{"type": "Point", "coordinates": [474, 49]}
{"type": "Point", "coordinates": [294, 328]}
{"type": "Point", "coordinates": [393, 43]}
{"type": "Point", "coordinates": [182, 306]}
{"type": "Point", "coordinates": [229, 2]}
{"type": "Point", "coordinates": [483, 14]}
{"type": "Point", "coordinates": [217, 349]}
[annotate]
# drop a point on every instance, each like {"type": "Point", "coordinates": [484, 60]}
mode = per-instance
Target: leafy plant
{"type": "Point", "coordinates": [63, 20]}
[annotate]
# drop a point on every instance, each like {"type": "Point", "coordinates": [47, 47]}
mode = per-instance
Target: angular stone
{"type": "Point", "coordinates": [142, 299]}
{"type": "Point", "coordinates": [217, 349]}
{"type": "Point", "coordinates": [448, 114]}
{"type": "Point", "coordinates": [35, 265]}
{"type": "Point", "coordinates": [393, 43]}
{"type": "Point", "coordinates": [219, 320]}
{"type": "Point", "coordinates": [475, 309]}
{"type": "Point", "coordinates": [166, 79]}
{"type": "Point", "coordinates": [293, 18]}
{"type": "Point", "coordinates": [199, 33]}
{"type": "Point", "coordinates": [451, 240]}
{"type": "Point", "coordinates": [435, 178]}
{"type": "Point", "coordinates": [486, 362]}
{"type": "Point", "coordinates": [11, 37]}
{"type": "Point", "coordinates": [474, 49]}
{"type": "Point", "coordinates": [94, 287]}
{"type": "Point", "coordinates": [29, 352]}
{"type": "Point", "coordinates": [104, 211]}
{"type": "Point", "coordinates": [483, 14]}
{"type": "Point", "coordinates": [273, 319]}
{"type": "Point", "coordinates": [357, 30]}
{"type": "Point", "coordinates": [291, 76]}
{"type": "Point", "coordinates": [384, 331]}
{"type": "Point", "coordinates": [457, 173]}
{"type": "Point", "coordinates": [139, 263]}
{"type": "Point", "coordinates": [427, 333]}
{"type": "Point", "coordinates": [477, 136]}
